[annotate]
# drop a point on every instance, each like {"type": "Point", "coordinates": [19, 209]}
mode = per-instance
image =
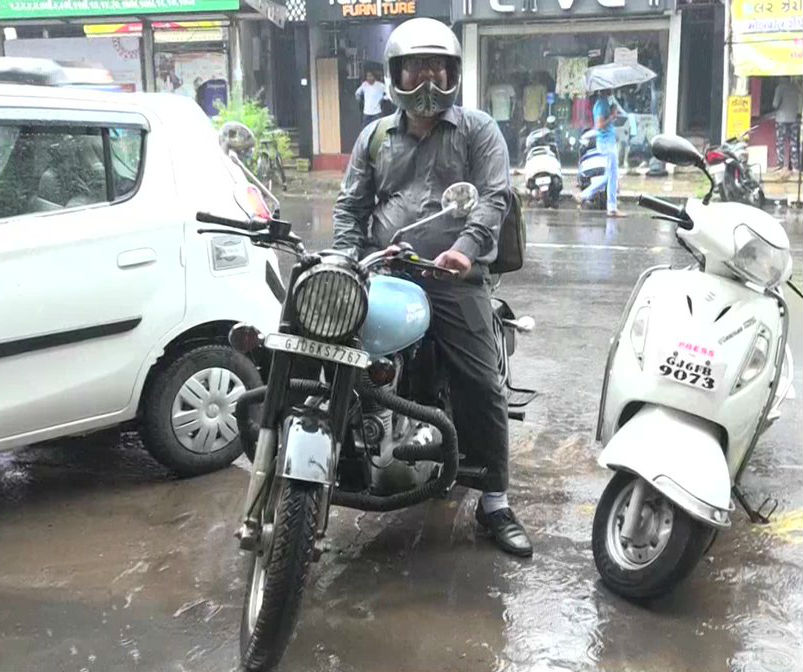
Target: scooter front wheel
{"type": "Point", "coordinates": [662, 547]}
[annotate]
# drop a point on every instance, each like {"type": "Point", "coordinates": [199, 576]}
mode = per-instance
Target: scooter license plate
{"type": "Point", "coordinates": [328, 351]}
{"type": "Point", "coordinates": [543, 181]}
{"type": "Point", "coordinates": [690, 369]}
{"type": "Point", "coordinates": [716, 169]}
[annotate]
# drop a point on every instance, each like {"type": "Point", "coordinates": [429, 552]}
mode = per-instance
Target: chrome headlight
{"type": "Point", "coordinates": [757, 260]}
{"type": "Point", "coordinates": [330, 301]}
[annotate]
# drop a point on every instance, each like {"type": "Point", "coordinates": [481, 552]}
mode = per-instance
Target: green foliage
{"type": "Point", "coordinates": [260, 121]}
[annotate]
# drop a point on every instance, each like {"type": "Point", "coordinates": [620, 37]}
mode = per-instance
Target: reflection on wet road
{"type": "Point", "coordinates": [109, 564]}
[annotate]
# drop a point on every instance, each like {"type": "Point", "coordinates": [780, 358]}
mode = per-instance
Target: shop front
{"type": "Point", "coordinates": [526, 61]}
{"type": "Point", "coordinates": [191, 48]}
{"type": "Point", "coordinates": [767, 61]}
{"type": "Point", "coordinates": [347, 40]}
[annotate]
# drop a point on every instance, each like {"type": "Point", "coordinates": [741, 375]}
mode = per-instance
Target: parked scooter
{"type": "Point", "coordinates": [697, 371]}
{"type": "Point", "coordinates": [542, 169]}
{"type": "Point", "coordinates": [373, 432]}
{"type": "Point", "coordinates": [729, 165]}
{"type": "Point", "coordinates": [591, 165]}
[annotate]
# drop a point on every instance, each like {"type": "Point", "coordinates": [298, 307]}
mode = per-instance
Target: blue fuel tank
{"type": "Point", "coordinates": [398, 315]}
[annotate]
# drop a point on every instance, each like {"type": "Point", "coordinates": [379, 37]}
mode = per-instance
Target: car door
{"type": "Point", "coordinates": [91, 275]}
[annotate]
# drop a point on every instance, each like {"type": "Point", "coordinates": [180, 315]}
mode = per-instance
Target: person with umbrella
{"type": "Point", "coordinates": [604, 114]}
{"type": "Point", "coordinates": [604, 79]}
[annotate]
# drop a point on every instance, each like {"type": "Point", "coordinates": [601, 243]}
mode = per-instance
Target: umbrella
{"type": "Point", "coordinates": [615, 75]}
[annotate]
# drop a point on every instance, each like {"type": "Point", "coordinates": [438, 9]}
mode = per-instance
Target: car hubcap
{"type": "Point", "coordinates": [651, 534]}
{"type": "Point", "coordinates": [203, 410]}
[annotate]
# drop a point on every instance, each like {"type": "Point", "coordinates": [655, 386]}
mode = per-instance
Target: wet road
{"type": "Point", "coordinates": [109, 564]}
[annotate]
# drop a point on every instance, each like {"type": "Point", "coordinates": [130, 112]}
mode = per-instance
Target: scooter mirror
{"type": "Point", "coordinates": [677, 150]}
{"type": "Point", "coordinates": [461, 198]}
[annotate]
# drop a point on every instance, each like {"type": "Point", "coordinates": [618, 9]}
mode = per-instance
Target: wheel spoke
{"type": "Point", "coordinates": [236, 392]}
{"type": "Point", "coordinates": [185, 422]}
{"type": "Point", "coordinates": [228, 427]}
{"type": "Point", "coordinates": [201, 439]}
{"type": "Point", "coordinates": [194, 393]}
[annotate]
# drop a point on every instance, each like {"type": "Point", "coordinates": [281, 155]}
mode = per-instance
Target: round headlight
{"type": "Point", "coordinates": [330, 301]}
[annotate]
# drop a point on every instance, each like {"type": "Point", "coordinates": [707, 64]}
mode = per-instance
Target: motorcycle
{"type": "Point", "coordinates": [697, 371]}
{"type": "Point", "coordinates": [367, 427]}
{"type": "Point", "coordinates": [542, 169]}
{"type": "Point", "coordinates": [591, 165]}
{"type": "Point", "coordinates": [729, 164]}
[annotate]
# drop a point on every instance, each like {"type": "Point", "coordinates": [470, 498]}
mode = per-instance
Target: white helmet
{"type": "Point", "coordinates": [423, 37]}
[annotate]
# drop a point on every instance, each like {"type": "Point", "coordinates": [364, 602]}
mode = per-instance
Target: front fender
{"type": "Point", "coordinates": [307, 451]}
{"type": "Point", "coordinates": [679, 454]}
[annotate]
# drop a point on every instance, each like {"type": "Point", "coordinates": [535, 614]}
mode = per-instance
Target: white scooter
{"type": "Point", "coordinates": [697, 370]}
{"type": "Point", "coordinates": [542, 169]}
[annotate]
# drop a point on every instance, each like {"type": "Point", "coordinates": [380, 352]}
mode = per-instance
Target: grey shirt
{"type": "Point", "coordinates": [409, 178]}
{"type": "Point", "coordinates": [787, 102]}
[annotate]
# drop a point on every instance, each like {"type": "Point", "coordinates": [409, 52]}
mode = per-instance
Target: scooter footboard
{"type": "Point", "coordinates": [680, 455]}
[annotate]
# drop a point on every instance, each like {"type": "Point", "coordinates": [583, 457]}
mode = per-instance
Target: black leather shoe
{"type": "Point", "coordinates": [506, 530]}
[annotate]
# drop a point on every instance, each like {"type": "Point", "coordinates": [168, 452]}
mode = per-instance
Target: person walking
{"type": "Point", "coordinates": [787, 103]}
{"type": "Point", "coordinates": [371, 93]}
{"type": "Point", "coordinates": [604, 113]}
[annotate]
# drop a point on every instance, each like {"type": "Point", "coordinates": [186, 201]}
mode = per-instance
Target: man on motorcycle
{"type": "Point", "coordinates": [428, 144]}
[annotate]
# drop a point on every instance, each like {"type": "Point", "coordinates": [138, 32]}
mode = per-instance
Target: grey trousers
{"type": "Point", "coordinates": [462, 328]}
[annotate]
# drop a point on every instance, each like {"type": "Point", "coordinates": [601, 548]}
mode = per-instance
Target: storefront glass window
{"type": "Point", "coordinates": [527, 77]}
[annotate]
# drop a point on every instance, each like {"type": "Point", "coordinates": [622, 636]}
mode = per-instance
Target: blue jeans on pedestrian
{"type": "Point", "coordinates": [607, 148]}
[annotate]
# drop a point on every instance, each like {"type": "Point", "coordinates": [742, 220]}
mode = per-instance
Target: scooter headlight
{"type": "Point", "coordinates": [757, 260]}
{"type": "Point", "coordinates": [756, 361]}
{"type": "Point", "coordinates": [638, 333]}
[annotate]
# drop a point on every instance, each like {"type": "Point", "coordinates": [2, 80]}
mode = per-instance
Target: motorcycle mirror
{"type": "Point", "coordinates": [460, 198]}
{"type": "Point", "coordinates": [677, 150]}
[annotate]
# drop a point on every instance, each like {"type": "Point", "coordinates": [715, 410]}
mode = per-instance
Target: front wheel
{"type": "Point", "coordinates": [277, 575]}
{"type": "Point", "coordinates": [664, 548]}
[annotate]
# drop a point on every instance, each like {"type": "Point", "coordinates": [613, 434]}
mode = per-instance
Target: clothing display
{"type": "Point", "coordinates": [570, 78]}
{"type": "Point", "coordinates": [502, 98]}
{"type": "Point", "coordinates": [581, 113]}
{"type": "Point", "coordinates": [534, 102]}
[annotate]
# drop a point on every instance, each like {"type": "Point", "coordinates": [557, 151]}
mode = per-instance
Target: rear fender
{"type": "Point", "coordinates": [680, 455]}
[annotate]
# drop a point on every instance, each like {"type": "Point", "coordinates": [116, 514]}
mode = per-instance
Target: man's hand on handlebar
{"type": "Point", "coordinates": [454, 261]}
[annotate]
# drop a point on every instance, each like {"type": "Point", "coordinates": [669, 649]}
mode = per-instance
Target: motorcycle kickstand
{"type": "Point", "coordinates": [756, 516]}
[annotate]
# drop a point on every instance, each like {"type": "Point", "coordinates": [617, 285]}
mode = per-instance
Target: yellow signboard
{"type": "Point", "coordinates": [381, 8]}
{"type": "Point", "coordinates": [767, 37]}
{"type": "Point", "coordinates": [738, 115]}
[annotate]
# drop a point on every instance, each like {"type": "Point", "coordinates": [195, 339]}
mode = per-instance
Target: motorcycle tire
{"type": "Point", "coordinates": [687, 542]}
{"type": "Point", "coordinates": [281, 573]}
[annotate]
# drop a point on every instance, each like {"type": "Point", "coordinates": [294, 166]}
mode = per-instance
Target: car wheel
{"type": "Point", "coordinates": [188, 411]}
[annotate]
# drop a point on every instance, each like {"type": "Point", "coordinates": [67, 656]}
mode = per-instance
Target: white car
{"type": "Point", "coordinates": [112, 306]}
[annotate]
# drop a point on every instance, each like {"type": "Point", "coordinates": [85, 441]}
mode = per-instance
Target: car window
{"type": "Point", "coordinates": [50, 168]}
{"type": "Point", "coordinates": [126, 146]}
{"type": "Point", "coordinates": [45, 168]}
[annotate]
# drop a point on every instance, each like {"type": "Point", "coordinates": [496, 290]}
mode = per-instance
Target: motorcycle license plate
{"type": "Point", "coordinates": [328, 351]}
{"type": "Point", "coordinates": [691, 369]}
{"type": "Point", "coordinates": [543, 181]}
{"type": "Point", "coordinates": [717, 169]}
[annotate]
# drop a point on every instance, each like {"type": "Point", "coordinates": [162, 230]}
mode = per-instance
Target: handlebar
{"type": "Point", "coordinates": [254, 224]}
{"type": "Point", "coordinates": [667, 209]}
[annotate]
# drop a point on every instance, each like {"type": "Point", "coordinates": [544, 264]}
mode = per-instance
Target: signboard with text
{"type": "Point", "coordinates": [383, 10]}
{"type": "Point", "coordinates": [528, 10]}
{"type": "Point", "coordinates": [767, 37]}
{"type": "Point", "coordinates": [738, 115]}
{"type": "Point", "coordinates": [56, 9]}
